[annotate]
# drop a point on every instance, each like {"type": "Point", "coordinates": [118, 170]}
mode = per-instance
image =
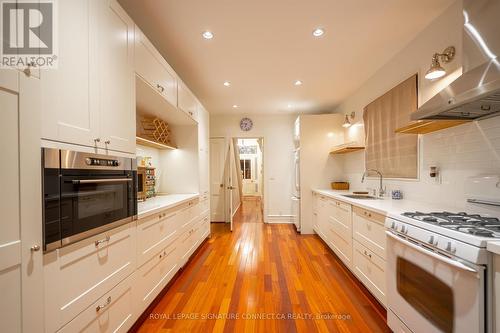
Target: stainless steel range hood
{"type": "Point", "coordinates": [476, 93]}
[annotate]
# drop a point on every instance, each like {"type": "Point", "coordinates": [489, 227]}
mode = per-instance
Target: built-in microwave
{"type": "Point", "coordinates": [85, 194]}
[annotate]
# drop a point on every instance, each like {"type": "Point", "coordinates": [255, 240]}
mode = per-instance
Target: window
{"type": "Point", "coordinates": [246, 168]}
{"type": "Point", "coordinates": [394, 155]}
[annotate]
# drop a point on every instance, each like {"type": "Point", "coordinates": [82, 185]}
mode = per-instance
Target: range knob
{"type": "Point", "coordinates": [393, 225]}
{"type": "Point", "coordinates": [403, 229]}
{"type": "Point", "coordinates": [431, 240]}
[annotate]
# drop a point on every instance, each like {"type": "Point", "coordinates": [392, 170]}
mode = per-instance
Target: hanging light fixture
{"type": "Point", "coordinates": [436, 71]}
{"type": "Point", "coordinates": [347, 121]}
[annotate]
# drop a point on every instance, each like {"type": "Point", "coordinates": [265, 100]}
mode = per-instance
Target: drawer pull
{"type": "Point", "coordinates": [367, 254]}
{"type": "Point", "coordinates": [102, 306]}
{"type": "Point", "coordinates": [99, 242]}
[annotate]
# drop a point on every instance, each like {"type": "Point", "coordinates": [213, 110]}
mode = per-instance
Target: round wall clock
{"type": "Point", "coordinates": [246, 124]}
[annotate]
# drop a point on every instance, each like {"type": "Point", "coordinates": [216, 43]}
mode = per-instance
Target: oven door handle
{"type": "Point", "coordinates": [97, 181]}
{"type": "Point", "coordinates": [417, 248]}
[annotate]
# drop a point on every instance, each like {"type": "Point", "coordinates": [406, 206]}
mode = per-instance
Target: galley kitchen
{"type": "Point", "coordinates": [262, 166]}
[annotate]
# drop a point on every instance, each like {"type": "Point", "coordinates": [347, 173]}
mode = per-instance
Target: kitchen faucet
{"type": "Point", "coordinates": [381, 191]}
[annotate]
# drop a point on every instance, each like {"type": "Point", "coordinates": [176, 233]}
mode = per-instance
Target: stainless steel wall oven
{"type": "Point", "coordinates": [85, 194]}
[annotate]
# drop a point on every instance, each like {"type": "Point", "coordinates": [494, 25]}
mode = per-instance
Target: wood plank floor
{"type": "Point", "coordinates": [264, 278]}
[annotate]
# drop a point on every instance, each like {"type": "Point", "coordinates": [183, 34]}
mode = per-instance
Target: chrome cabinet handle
{"type": "Point", "coordinates": [190, 113]}
{"type": "Point", "coordinates": [102, 306]}
{"type": "Point", "coordinates": [160, 88]}
{"type": "Point", "coordinates": [97, 140]}
{"type": "Point", "coordinates": [92, 181]}
{"type": "Point", "coordinates": [107, 142]}
{"type": "Point", "coordinates": [367, 254]}
{"type": "Point", "coordinates": [99, 242]}
{"type": "Point", "coordinates": [35, 248]}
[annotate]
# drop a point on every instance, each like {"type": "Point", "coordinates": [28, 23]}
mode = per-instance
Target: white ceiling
{"type": "Point", "coordinates": [262, 46]}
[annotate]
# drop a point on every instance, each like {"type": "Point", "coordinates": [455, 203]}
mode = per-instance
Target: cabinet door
{"type": "Point", "coordinates": [117, 85]}
{"type": "Point", "coordinates": [10, 238]}
{"type": "Point", "coordinates": [70, 92]}
{"type": "Point", "coordinates": [187, 102]}
{"type": "Point", "coordinates": [204, 157]}
{"type": "Point", "coordinates": [153, 69]}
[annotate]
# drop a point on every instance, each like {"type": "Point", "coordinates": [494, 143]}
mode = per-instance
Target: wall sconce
{"type": "Point", "coordinates": [436, 71]}
{"type": "Point", "coordinates": [347, 121]}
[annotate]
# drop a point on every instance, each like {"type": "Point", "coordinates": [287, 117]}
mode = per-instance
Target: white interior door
{"type": "Point", "coordinates": [250, 175]}
{"type": "Point", "coordinates": [217, 183]}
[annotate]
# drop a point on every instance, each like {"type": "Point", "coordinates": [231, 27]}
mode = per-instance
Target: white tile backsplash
{"type": "Point", "coordinates": [460, 153]}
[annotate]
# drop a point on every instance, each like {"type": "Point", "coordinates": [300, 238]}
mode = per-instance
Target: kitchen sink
{"type": "Point", "coordinates": [360, 196]}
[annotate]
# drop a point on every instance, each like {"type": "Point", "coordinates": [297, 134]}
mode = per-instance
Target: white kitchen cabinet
{"type": "Point", "coordinates": [10, 234]}
{"type": "Point", "coordinates": [204, 153]}
{"type": "Point", "coordinates": [89, 99]}
{"type": "Point", "coordinates": [79, 274]}
{"type": "Point", "coordinates": [117, 80]}
{"type": "Point", "coordinates": [70, 93]}
{"type": "Point", "coordinates": [187, 102]}
{"type": "Point", "coordinates": [370, 269]}
{"type": "Point", "coordinates": [369, 230]}
{"type": "Point", "coordinates": [21, 275]}
{"type": "Point", "coordinates": [153, 69]}
{"type": "Point", "coordinates": [154, 275]}
{"type": "Point", "coordinates": [114, 312]}
{"type": "Point", "coordinates": [339, 230]}
{"type": "Point", "coordinates": [158, 231]}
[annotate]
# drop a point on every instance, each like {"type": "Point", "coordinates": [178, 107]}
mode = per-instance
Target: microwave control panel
{"type": "Point", "coordinates": [101, 162]}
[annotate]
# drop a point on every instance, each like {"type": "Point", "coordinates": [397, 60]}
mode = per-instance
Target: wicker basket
{"type": "Point", "coordinates": [339, 185]}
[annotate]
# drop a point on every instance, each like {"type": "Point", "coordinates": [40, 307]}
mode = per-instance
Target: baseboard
{"type": "Point", "coordinates": [279, 219]}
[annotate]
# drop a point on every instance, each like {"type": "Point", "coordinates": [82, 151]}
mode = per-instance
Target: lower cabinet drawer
{"type": "Point", "coordinates": [204, 206]}
{"type": "Point", "coordinates": [370, 269]}
{"type": "Point", "coordinates": [155, 233]}
{"type": "Point", "coordinates": [370, 233]}
{"type": "Point", "coordinates": [154, 275]}
{"type": "Point", "coordinates": [113, 312]}
{"type": "Point", "coordinates": [189, 242]}
{"type": "Point", "coordinates": [77, 275]}
{"type": "Point", "coordinates": [340, 246]}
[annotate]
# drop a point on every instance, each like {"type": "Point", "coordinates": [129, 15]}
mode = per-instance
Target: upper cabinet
{"type": "Point", "coordinates": [70, 93]}
{"type": "Point", "coordinates": [90, 98]}
{"type": "Point", "coordinates": [117, 82]}
{"type": "Point", "coordinates": [153, 69]}
{"type": "Point", "coordinates": [187, 102]}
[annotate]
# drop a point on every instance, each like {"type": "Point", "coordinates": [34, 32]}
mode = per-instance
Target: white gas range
{"type": "Point", "coordinates": [438, 271]}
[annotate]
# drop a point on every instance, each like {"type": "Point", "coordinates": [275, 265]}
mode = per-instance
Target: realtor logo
{"type": "Point", "coordinates": [28, 34]}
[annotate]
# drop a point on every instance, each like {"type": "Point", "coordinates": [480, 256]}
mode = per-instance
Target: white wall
{"type": "Point", "coordinates": [460, 152]}
{"type": "Point", "coordinates": [277, 131]}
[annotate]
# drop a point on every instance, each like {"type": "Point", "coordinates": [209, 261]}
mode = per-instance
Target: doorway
{"type": "Point", "coordinates": [236, 178]}
{"type": "Point", "coordinates": [251, 178]}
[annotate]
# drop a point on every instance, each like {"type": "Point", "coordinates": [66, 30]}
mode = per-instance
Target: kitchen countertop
{"type": "Point", "coordinates": [394, 208]}
{"type": "Point", "coordinates": [494, 247]}
{"type": "Point", "coordinates": [386, 206]}
{"type": "Point", "coordinates": [162, 202]}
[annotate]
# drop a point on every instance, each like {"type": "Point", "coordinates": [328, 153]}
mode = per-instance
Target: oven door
{"type": "Point", "coordinates": [91, 203]}
{"type": "Point", "coordinates": [429, 292]}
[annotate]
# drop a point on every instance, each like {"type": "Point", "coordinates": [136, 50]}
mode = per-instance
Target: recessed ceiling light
{"type": "Point", "coordinates": [207, 35]}
{"type": "Point", "coordinates": [298, 83]}
{"type": "Point", "coordinates": [227, 83]}
{"type": "Point", "coordinates": [289, 106]}
{"type": "Point", "coordinates": [318, 32]}
{"type": "Point", "coordinates": [235, 106]}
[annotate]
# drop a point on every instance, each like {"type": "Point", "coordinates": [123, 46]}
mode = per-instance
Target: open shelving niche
{"type": "Point", "coordinates": [177, 163]}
